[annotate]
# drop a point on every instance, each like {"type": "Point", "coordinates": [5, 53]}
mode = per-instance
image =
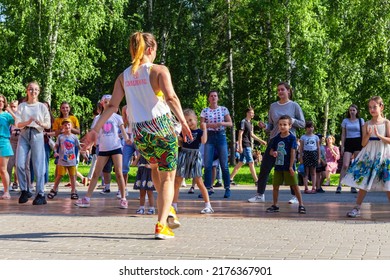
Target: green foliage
{"type": "Point", "coordinates": [335, 53]}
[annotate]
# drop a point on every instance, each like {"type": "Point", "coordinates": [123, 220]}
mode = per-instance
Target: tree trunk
{"type": "Point", "coordinates": [150, 16]}
{"type": "Point", "coordinates": [288, 46]}
{"type": "Point", "coordinates": [231, 90]}
{"type": "Point", "coordinates": [48, 63]}
{"type": "Point", "coordinates": [269, 59]}
{"type": "Point", "coordinates": [326, 118]}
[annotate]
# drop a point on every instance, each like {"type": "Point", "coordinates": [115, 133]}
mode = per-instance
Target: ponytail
{"type": "Point", "coordinates": [139, 42]}
{"type": "Point", "coordinates": [137, 48]}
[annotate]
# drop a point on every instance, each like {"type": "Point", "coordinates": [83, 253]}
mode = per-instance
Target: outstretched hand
{"type": "Point", "coordinates": [88, 140]}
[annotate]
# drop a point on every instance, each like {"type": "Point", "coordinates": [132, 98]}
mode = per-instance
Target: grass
{"type": "Point", "coordinates": [243, 176]}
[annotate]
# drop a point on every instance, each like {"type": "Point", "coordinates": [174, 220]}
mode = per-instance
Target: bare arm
{"type": "Point", "coordinates": [240, 133]}
{"type": "Point", "coordinates": [343, 134]}
{"type": "Point", "coordinates": [366, 132]}
{"type": "Point", "coordinates": [258, 139]}
{"type": "Point", "coordinates": [117, 96]}
{"type": "Point", "coordinates": [301, 151]}
{"type": "Point", "coordinates": [164, 83]}
{"type": "Point", "coordinates": [292, 161]}
{"type": "Point", "coordinates": [204, 136]}
{"type": "Point", "coordinates": [319, 151]}
{"type": "Point", "coordinates": [386, 138]}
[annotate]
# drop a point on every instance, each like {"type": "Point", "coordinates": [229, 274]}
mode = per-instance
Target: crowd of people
{"type": "Point", "coordinates": [153, 125]}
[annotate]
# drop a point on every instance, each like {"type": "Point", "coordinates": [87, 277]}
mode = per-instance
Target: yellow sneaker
{"type": "Point", "coordinates": [163, 232]}
{"type": "Point", "coordinates": [173, 220]}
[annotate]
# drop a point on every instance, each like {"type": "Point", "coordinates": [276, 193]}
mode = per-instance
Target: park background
{"type": "Point", "coordinates": [334, 53]}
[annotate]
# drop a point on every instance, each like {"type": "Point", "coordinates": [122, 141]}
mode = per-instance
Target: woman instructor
{"type": "Point", "coordinates": [150, 97]}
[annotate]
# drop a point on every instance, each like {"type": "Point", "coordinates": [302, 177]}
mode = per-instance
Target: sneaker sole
{"type": "Point", "coordinates": [172, 223]}
{"type": "Point", "coordinates": [159, 236]}
{"type": "Point", "coordinates": [257, 201]}
{"type": "Point", "coordinates": [353, 216]}
{"type": "Point", "coordinates": [82, 206]}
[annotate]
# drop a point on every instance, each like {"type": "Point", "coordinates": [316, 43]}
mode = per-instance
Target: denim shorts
{"type": "Point", "coordinates": [246, 156]}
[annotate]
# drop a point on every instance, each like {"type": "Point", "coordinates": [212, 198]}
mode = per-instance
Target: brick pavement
{"type": "Point", "coordinates": [238, 230]}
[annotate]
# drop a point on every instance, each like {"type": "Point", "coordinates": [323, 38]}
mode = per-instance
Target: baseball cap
{"type": "Point", "coordinates": [106, 96]}
{"type": "Point", "coordinates": [66, 120]}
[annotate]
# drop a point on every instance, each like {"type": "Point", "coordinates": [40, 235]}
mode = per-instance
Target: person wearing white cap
{"type": "Point", "coordinates": [110, 146]}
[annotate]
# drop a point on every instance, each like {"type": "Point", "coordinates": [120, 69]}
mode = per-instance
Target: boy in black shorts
{"type": "Point", "coordinates": [284, 149]}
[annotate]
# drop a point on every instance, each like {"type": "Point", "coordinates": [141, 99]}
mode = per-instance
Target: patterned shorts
{"type": "Point", "coordinates": [158, 149]}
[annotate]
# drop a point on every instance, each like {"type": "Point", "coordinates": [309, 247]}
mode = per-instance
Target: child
{"type": "Point", "coordinates": [144, 183]}
{"type": "Point", "coordinates": [109, 146]}
{"type": "Point", "coordinates": [332, 157]}
{"type": "Point", "coordinates": [309, 155]}
{"type": "Point", "coordinates": [189, 163]}
{"type": "Point", "coordinates": [370, 169]}
{"type": "Point", "coordinates": [66, 150]}
{"type": "Point", "coordinates": [320, 170]}
{"type": "Point", "coordinates": [283, 148]}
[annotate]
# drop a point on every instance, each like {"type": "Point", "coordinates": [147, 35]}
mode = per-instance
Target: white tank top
{"type": "Point", "coordinates": [146, 110]}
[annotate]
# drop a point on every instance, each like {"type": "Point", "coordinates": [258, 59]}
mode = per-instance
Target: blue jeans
{"type": "Point", "coordinates": [128, 151]}
{"type": "Point", "coordinates": [216, 140]}
{"type": "Point", "coordinates": [47, 158]}
{"type": "Point", "coordinates": [31, 139]}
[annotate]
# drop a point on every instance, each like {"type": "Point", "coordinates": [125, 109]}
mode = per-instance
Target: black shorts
{"type": "Point", "coordinates": [353, 145]}
{"type": "Point", "coordinates": [110, 153]}
{"type": "Point", "coordinates": [109, 164]}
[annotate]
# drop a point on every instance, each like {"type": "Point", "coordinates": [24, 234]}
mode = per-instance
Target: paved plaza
{"type": "Point", "coordinates": [238, 230]}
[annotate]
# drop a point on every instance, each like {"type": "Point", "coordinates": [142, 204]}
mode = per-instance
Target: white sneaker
{"type": "Point", "coordinates": [207, 210]}
{"type": "Point", "coordinates": [118, 194]}
{"type": "Point", "coordinates": [293, 200]}
{"type": "Point", "coordinates": [257, 198]}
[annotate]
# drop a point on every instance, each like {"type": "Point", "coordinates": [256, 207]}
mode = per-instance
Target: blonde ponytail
{"type": "Point", "coordinates": [139, 42]}
{"type": "Point", "coordinates": [137, 48]}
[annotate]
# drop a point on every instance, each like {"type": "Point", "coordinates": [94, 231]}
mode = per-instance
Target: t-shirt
{"type": "Point", "coordinates": [196, 141]}
{"type": "Point", "coordinates": [247, 127]}
{"type": "Point", "coordinates": [283, 146]}
{"type": "Point", "coordinates": [69, 146]}
{"type": "Point", "coordinates": [109, 134]}
{"type": "Point", "coordinates": [58, 122]}
{"type": "Point", "coordinates": [289, 108]}
{"type": "Point", "coordinates": [216, 115]}
{"type": "Point", "coordinates": [310, 142]}
{"type": "Point", "coordinates": [6, 120]}
{"type": "Point", "coordinates": [352, 129]}
{"type": "Point", "coordinates": [37, 111]}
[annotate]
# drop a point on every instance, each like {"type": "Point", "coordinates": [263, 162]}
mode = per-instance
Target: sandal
{"type": "Point", "coordinates": [74, 196]}
{"type": "Point", "coordinates": [307, 191]}
{"type": "Point", "coordinates": [52, 194]}
{"type": "Point", "coordinates": [301, 209]}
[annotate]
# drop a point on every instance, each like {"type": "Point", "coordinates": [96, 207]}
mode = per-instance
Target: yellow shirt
{"type": "Point", "coordinates": [58, 122]}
